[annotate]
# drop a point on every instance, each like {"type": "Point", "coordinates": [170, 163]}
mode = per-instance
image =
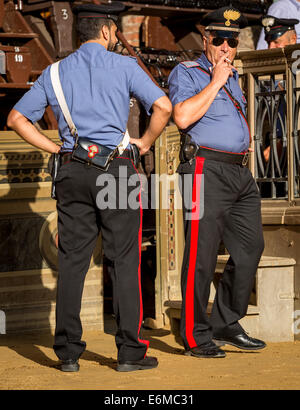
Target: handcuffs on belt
{"type": "Point", "coordinates": [53, 167]}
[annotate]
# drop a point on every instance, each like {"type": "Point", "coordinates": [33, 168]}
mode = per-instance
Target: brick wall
{"type": "Point", "coordinates": [131, 29]}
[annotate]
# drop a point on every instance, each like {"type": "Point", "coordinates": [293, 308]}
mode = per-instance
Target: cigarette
{"type": "Point", "coordinates": [227, 59]}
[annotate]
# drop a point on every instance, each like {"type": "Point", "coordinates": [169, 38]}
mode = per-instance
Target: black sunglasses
{"type": "Point", "coordinates": [232, 42]}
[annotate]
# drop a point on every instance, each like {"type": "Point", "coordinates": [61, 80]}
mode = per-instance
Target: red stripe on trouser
{"type": "Point", "coordinates": [146, 342]}
{"type": "Point", "coordinates": [189, 296]}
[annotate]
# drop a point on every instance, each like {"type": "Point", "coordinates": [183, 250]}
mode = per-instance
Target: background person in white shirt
{"type": "Point", "coordinates": [287, 9]}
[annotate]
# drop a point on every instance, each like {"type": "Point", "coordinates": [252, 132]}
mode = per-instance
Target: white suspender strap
{"type": "Point", "coordinates": [54, 75]}
{"type": "Point", "coordinates": [124, 143]}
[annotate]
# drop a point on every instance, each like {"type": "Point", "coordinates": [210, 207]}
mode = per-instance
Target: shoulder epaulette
{"type": "Point", "coordinates": [190, 64]}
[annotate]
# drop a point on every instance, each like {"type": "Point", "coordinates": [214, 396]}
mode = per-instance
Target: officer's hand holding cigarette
{"type": "Point", "coordinates": [222, 70]}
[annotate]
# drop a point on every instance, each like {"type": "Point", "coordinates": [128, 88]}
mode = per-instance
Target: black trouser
{"type": "Point", "coordinates": [230, 210]}
{"type": "Point", "coordinates": [79, 222]}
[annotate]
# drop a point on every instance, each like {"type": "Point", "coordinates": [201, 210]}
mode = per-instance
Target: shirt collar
{"type": "Point", "coordinates": [93, 45]}
{"type": "Point", "coordinates": [204, 61]}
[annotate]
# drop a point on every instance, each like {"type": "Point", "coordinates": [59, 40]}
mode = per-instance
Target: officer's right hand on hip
{"type": "Point", "coordinates": [142, 145]}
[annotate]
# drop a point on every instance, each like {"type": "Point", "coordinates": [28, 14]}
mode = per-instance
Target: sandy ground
{"type": "Point", "coordinates": [27, 362]}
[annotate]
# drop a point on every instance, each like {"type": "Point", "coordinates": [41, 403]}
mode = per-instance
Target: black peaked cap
{"type": "Point", "coordinates": [225, 18]}
{"type": "Point", "coordinates": [111, 10]}
{"type": "Point", "coordinates": [275, 27]}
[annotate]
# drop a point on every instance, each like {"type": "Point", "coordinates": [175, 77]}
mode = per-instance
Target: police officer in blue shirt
{"type": "Point", "coordinates": [279, 32]}
{"type": "Point", "coordinates": [97, 85]}
{"type": "Point", "coordinates": [220, 197]}
{"type": "Point", "coordinates": [289, 9]}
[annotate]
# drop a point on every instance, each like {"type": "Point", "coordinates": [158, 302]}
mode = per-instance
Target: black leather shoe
{"type": "Point", "coordinates": [69, 365]}
{"type": "Point", "coordinates": [242, 341]}
{"type": "Point", "coordinates": [131, 365]}
{"type": "Point", "coordinates": [206, 350]}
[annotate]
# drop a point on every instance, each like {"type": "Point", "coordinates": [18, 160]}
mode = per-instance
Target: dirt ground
{"type": "Point", "coordinates": [27, 362]}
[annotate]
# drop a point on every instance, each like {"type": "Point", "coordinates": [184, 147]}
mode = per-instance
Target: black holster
{"type": "Point", "coordinates": [188, 148]}
{"type": "Point", "coordinates": [135, 154]}
{"type": "Point", "coordinates": [53, 167]}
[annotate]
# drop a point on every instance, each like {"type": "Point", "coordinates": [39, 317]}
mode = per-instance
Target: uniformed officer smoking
{"type": "Point", "coordinates": [97, 85]}
{"type": "Point", "coordinates": [209, 108]}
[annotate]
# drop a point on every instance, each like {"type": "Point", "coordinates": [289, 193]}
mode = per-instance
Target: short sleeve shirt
{"type": "Point", "coordinates": [97, 85]}
{"type": "Point", "coordinates": [221, 127]}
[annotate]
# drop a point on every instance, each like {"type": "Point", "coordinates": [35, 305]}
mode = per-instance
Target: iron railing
{"type": "Point", "coordinates": [271, 80]}
{"type": "Point", "coordinates": [160, 62]}
{"type": "Point", "coordinates": [271, 137]}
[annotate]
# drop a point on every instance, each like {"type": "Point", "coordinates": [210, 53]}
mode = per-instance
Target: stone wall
{"type": "Point", "coordinates": [28, 254]}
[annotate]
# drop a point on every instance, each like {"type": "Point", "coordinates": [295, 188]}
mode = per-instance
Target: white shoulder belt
{"type": "Point", "coordinates": [54, 75]}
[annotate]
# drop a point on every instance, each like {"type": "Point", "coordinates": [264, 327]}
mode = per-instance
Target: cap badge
{"type": "Point", "coordinates": [268, 22]}
{"type": "Point", "coordinates": [231, 15]}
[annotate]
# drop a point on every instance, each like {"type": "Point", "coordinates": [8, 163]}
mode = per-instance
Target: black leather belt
{"type": "Point", "coordinates": [231, 158]}
{"type": "Point", "coordinates": [66, 157]}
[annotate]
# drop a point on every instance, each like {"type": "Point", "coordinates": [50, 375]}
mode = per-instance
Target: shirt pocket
{"type": "Point", "coordinates": [220, 107]}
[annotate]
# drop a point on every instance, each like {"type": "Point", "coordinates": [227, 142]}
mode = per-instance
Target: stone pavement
{"type": "Point", "coordinates": [28, 362]}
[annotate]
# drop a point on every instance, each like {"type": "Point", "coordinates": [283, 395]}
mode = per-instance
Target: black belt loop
{"type": "Point", "coordinates": [245, 159]}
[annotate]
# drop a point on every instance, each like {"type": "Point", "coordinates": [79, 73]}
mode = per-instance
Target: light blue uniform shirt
{"type": "Point", "coordinates": [288, 9]}
{"type": "Point", "coordinates": [221, 127]}
{"type": "Point", "coordinates": [97, 85]}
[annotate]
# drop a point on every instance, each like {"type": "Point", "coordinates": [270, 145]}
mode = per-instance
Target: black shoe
{"type": "Point", "coordinates": [242, 341]}
{"type": "Point", "coordinates": [131, 365]}
{"type": "Point", "coordinates": [207, 350]}
{"type": "Point", "coordinates": [69, 365]}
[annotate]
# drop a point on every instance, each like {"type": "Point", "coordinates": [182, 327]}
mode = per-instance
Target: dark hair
{"type": "Point", "coordinates": [89, 28]}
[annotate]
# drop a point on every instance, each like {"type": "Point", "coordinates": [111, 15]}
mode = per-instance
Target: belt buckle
{"type": "Point", "coordinates": [245, 159]}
